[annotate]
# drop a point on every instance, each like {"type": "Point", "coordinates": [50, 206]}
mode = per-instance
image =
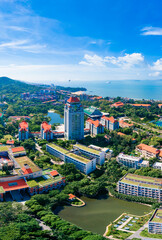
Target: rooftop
{"type": "Point", "coordinates": [157, 217]}
{"type": "Point", "coordinates": [147, 148]}
{"type": "Point", "coordinates": [111, 119]}
{"type": "Point", "coordinates": [129, 157]}
{"type": "Point", "coordinates": [78, 158]}
{"type": "Point", "coordinates": [41, 181]}
{"type": "Point", "coordinates": [13, 185]}
{"type": "Point", "coordinates": [4, 148]}
{"type": "Point", "coordinates": [23, 126]}
{"type": "Point", "coordinates": [46, 126]}
{"type": "Point", "coordinates": [25, 160]}
{"type": "Point", "coordinates": [93, 111]}
{"type": "Point", "coordinates": [140, 184]}
{"type": "Point", "coordinates": [58, 148]}
{"type": "Point", "coordinates": [88, 149]}
{"type": "Point", "coordinates": [96, 122]}
{"type": "Point", "coordinates": [73, 100]}
{"type": "Point", "coordinates": [18, 149]}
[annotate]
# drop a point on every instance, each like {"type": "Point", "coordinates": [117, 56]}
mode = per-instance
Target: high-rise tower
{"type": "Point", "coordinates": [74, 119]}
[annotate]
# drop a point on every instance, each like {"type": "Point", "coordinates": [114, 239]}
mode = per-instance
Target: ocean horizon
{"type": "Point", "coordinates": [136, 89]}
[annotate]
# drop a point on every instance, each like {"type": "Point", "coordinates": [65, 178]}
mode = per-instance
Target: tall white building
{"type": "Point", "coordinates": [74, 119]}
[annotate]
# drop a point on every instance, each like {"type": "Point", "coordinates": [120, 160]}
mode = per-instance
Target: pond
{"type": "Point", "coordinates": [98, 213]}
{"type": "Point", "coordinates": [55, 117]}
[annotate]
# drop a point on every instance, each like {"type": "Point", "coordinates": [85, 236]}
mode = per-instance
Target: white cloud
{"type": "Point", "coordinates": [154, 74]}
{"type": "Point", "coordinates": [157, 66]}
{"type": "Point", "coordinates": [127, 61]}
{"type": "Point", "coordinates": [17, 28]}
{"type": "Point", "coordinates": [23, 45]}
{"type": "Point", "coordinates": [154, 31]}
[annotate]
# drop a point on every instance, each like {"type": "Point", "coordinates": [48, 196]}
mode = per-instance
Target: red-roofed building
{"type": "Point", "coordinates": [10, 142]}
{"type": "Point", "coordinates": [147, 151]}
{"type": "Point", "coordinates": [110, 123]}
{"type": "Point", "coordinates": [26, 169]}
{"type": "Point", "coordinates": [13, 185]}
{"type": "Point", "coordinates": [117, 104]}
{"type": "Point", "coordinates": [18, 151]}
{"type": "Point", "coordinates": [46, 131]}
{"type": "Point", "coordinates": [141, 105]}
{"type": "Point", "coordinates": [123, 124]}
{"type": "Point", "coordinates": [73, 100]}
{"type": "Point", "coordinates": [23, 131]}
{"type": "Point", "coordinates": [54, 173]}
{"type": "Point", "coordinates": [72, 197]}
{"type": "Point", "coordinates": [95, 127]}
{"type": "Point", "coordinates": [160, 105]}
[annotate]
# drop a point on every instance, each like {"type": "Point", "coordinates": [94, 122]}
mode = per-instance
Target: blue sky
{"type": "Point", "coordinates": [57, 40]}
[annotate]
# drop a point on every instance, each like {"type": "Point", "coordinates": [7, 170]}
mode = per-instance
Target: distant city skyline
{"type": "Point", "coordinates": [59, 40]}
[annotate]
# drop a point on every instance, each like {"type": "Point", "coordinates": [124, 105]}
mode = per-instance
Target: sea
{"type": "Point", "coordinates": [136, 89]}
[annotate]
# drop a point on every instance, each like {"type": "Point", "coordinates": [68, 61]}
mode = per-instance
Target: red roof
{"type": "Point", "coordinates": [121, 122]}
{"type": "Point", "coordinates": [10, 142]}
{"type": "Point", "coordinates": [46, 127]}
{"type": "Point", "coordinates": [18, 149]}
{"type": "Point", "coordinates": [0, 114]}
{"type": "Point", "coordinates": [118, 104]}
{"type": "Point", "coordinates": [141, 105]}
{"type": "Point", "coordinates": [71, 196]}
{"type": "Point", "coordinates": [26, 170]}
{"type": "Point", "coordinates": [23, 126]}
{"type": "Point", "coordinates": [147, 148]}
{"type": "Point", "coordinates": [121, 134]}
{"type": "Point", "coordinates": [13, 185]}
{"type": "Point", "coordinates": [73, 99]}
{"type": "Point", "coordinates": [54, 173]}
{"type": "Point", "coordinates": [96, 122]}
{"type": "Point", "coordinates": [111, 119]}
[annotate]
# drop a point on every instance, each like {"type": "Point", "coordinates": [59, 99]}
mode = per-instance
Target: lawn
{"type": "Point", "coordinates": [145, 233]}
{"type": "Point", "coordinates": [120, 234]}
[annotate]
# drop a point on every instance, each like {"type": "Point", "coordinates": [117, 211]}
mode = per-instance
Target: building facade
{"type": "Point", "coordinates": [90, 152]}
{"type": "Point", "coordinates": [155, 222]}
{"type": "Point", "coordinates": [147, 151]}
{"type": "Point", "coordinates": [131, 161]}
{"type": "Point", "coordinates": [23, 131]}
{"type": "Point", "coordinates": [46, 131]}
{"type": "Point", "coordinates": [95, 127]}
{"type": "Point", "coordinates": [110, 123]}
{"type": "Point", "coordinates": [141, 186]}
{"type": "Point", "coordinates": [73, 119]}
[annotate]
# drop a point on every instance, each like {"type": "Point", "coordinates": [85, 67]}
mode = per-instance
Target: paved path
{"type": "Point", "coordinates": [125, 223]}
{"type": "Point", "coordinates": [39, 148]}
{"type": "Point", "coordinates": [42, 225]}
{"type": "Point", "coordinates": [137, 234]}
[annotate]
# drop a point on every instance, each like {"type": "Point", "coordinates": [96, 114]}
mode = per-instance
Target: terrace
{"type": "Point", "coordinates": [58, 148]}
{"type": "Point", "coordinates": [87, 149]}
{"type": "Point", "coordinates": [140, 184]}
{"type": "Point", "coordinates": [143, 179]}
{"type": "Point", "coordinates": [41, 181]}
{"type": "Point", "coordinates": [25, 160]}
{"type": "Point", "coordinates": [78, 158]}
{"type": "Point", "coordinates": [4, 148]}
{"type": "Point", "coordinates": [157, 218]}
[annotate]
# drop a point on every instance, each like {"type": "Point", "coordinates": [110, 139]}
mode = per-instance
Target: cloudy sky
{"type": "Point", "coordinates": [57, 40]}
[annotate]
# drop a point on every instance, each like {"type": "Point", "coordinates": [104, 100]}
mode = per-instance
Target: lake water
{"type": "Point", "coordinates": [126, 88]}
{"type": "Point", "coordinates": [98, 213]}
{"type": "Point", "coordinates": [55, 118]}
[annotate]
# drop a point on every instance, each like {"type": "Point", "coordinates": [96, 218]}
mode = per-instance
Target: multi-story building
{"type": "Point", "coordinates": [142, 186]}
{"type": "Point", "coordinates": [123, 124]}
{"type": "Point", "coordinates": [93, 113]}
{"type": "Point", "coordinates": [155, 222]}
{"type": "Point", "coordinates": [83, 163]}
{"type": "Point", "coordinates": [157, 165]}
{"type": "Point", "coordinates": [23, 131]}
{"type": "Point", "coordinates": [110, 123]}
{"type": "Point", "coordinates": [95, 127]}
{"type": "Point", "coordinates": [73, 119]}
{"type": "Point", "coordinates": [91, 152]}
{"type": "Point", "coordinates": [147, 151]}
{"type": "Point", "coordinates": [131, 161]}
{"type": "Point", "coordinates": [46, 131]}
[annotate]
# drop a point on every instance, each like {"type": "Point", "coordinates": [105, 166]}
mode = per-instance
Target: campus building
{"type": "Point", "coordinates": [73, 119]}
{"type": "Point", "coordinates": [20, 177]}
{"type": "Point", "coordinates": [23, 131]}
{"type": "Point", "coordinates": [93, 113]}
{"type": "Point", "coordinates": [91, 152]}
{"type": "Point", "coordinates": [123, 124]}
{"type": "Point", "coordinates": [109, 123]}
{"type": "Point", "coordinates": [141, 186]}
{"type": "Point", "coordinates": [46, 131]}
{"type": "Point", "coordinates": [94, 126]}
{"type": "Point", "coordinates": [147, 151]}
{"type": "Point", "coordinates": [157, 165]}
{"type": "Point", "coordinates": [131, 161]}
{"type": "Point", "coordinates": [117, 104]}
{"type": "Point", "coordinates": [82, 163]}
{"type": "Point", "coordinates": [155, 222]}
